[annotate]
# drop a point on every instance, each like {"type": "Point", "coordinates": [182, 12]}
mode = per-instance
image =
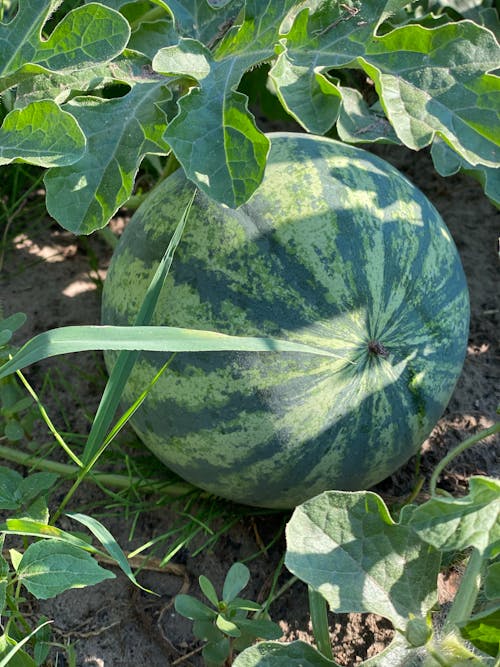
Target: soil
{"type": "Point", "coordinates": [54, 278]}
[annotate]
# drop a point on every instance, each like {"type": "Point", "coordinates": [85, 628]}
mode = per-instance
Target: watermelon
{"type": "Point", "coordinates": [335, 249]}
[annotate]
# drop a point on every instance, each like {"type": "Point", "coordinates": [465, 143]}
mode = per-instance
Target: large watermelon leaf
{"type": "Point", "coordinates": [119, 133]}
{"type": "Point", "coordinates": [85, 36]}
{"type": "Point", "coordinates": [454, 524]}
{"type": "Point", "coordinates": [432, 75]}
{"type": "Point", "coordinates": [29, 134]}
{"type": "Point", "coordinates": [214, 136]}
{"type": "Point", "coordinates": [347, 547]}
{"type": "Point", "coordinates": [430, 81]}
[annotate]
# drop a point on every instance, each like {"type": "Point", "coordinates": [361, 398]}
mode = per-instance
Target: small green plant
{"type": "Point", "coordinates": [225, 626]}
{"type": "Point", "coordinates": [46, 561]}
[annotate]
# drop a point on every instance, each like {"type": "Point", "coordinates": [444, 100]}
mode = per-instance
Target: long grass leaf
{"type": "Point", "coordinates": [119, 375]}
{"type": "Point", "coordinates": [10, 655]}
{"type": "Point", "coordinates": [109, 543]}
{"type": "Point", "coordinates": [66, 340]}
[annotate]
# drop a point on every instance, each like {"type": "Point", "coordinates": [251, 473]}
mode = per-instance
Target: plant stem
{"type": "Point", "coordinates": [106, 479]}
{"type": "Point", "coordinates": [48, 421]}
{"type": "Point", "coordinates": [466, 596]}
{"type": "Point", "coordinates": [108, 237]}
{"type": "Point", "coordinates": [319, 622]}
{"type": "Point", "coordinates": [458, 450]}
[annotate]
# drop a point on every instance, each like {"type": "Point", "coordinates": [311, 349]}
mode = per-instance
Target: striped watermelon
{"type": "Point", "coordinates": [335, 249]}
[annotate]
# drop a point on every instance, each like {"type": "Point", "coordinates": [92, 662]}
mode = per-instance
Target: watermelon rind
{"type": "Point", "coordinates": [335, 249]}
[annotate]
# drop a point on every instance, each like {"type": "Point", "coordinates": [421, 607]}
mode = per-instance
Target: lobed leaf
{"type": "Point", "coordinates": [454, 524]}
{"type": "Point", "coordinates": [431, 82]}
{"type": "Point", "coordinates": [85, 36]}
{"type": "Point", "coordinates": [119, 132]}
{"type": "Point", "coordinates": [436, 82]}
{"type": "Point", "coordinates": [41, 134]}
{"type": "Point", "coordinates": [274, 654]}
{"type": "Point", "coordinates": [214, 136]}
{"type": "Point", "coordinates": [346, 546]}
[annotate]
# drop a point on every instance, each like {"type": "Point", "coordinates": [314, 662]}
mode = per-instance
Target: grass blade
{"type": "Point", "coordinates": [153, 339]}
{"type": "Point", "coordinates": [108, 542]}
{"type": "Point", "coordinates": [126, 359]}
{"type": "Point", "coordinates": [7, 658]}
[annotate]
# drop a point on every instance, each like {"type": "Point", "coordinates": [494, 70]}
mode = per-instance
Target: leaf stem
{"type": "Point", "coordinates": [458, 450]}
{"type": "Point", "coordinates": [466, 596]}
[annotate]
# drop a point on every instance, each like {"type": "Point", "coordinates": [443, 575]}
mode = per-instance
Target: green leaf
{"type": "Point", "coordinates": [274, 654]}
{"type": "Point", "coordinates": [16, 491]}
{"type": "Point", "coordinates": [11, 654]}
{"type": "Point", "coordinates": [296, 90]}
{"type": "Point", "coordinates": [206, 20]}
{"type": "Point", "coordinates": [453, 524]}
{"type": "Point", "coordinates": [36, 510]}
{"type": "Point", "coordinates": [492, 581]}
{"type": "Point", "coordinates": [36, 484]}
{"type": "Point", "coordinates": [347, 547]}
{"type": "Point", "coordinates": [431, 82]}
{"type": "Point", "coordinates": [50, 567]}
{"type": "Point", "coordinates": [245, 605]}
{"type": "Point", "coordinates": [260, 628]}
{"type": "Point", "coordinates": [214, 136]}
{"type": "Point", "coordinates": [215, 654]}
{"type": "Point", "coordinates": [13, 322]}
{"type": "Point", "coordinates": [436, 82]}
{"type": "Point", "coordinates": [227, 627]}
{"type": "Point", "coordinates": [208, 590]}
{"type": "Point", "coordinates": [108, 542]}
{"type": "Point", "coordinates": [5, 336]}
{"type": "Point", "coordinates": [120, 373]}
{"type": "Point", "coordinates": [155, 339]}
{"type": "Point", "coordinates": [484, 632]}
{"type": "Point", "coordinates": [13, 431]}
{"type": "Point", "coordinates": [447, 163]}
{"type": "Point", "coordinates": [15, 558]}
{"type": "Point", "coordinates": [120, 132]}
{"type": "Point", "coordinates": [236, 579]}
{"type": "Point", "coordinates": [191, 608]}
{"type": "Point", "coordinates": [41, 134]}
{"type": "Point", "coordinates": [85, 35]}
{"type": "Point", "coordinates": [206, 630]}
{"type": "Point", "coordinates": [28, 526]}
{"type": "Point", "coordinates": [358, 123]}
{"type": "Point", "coordinates": [148, 38]}
{"type": "Point", "coordinates": [10, 481]}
